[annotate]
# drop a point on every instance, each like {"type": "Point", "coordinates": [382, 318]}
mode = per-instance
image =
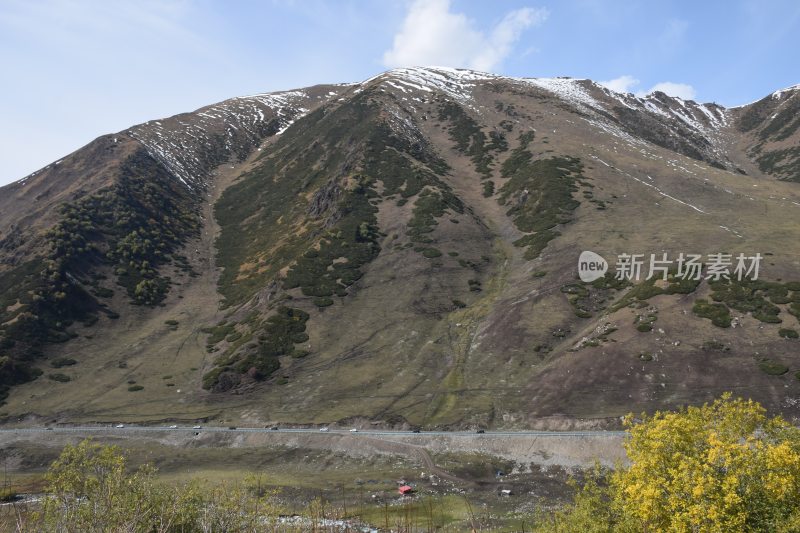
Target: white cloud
{"type": "Point", "coordinates": [623, 84]}
{"type": "Point", "coordinates": [681, 90]}
{"type": "Point", "coordinates": [628, 84]}
{"type": "Point", "coordinates": [433, 35]}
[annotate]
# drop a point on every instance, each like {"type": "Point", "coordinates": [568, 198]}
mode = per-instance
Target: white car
{"type": "Point", "coordinates": [197, 427]}
{"type": "Point", "coordinates": [323, 429]}
{"type": "Point", "coordinates": [173, 426]}
{"type": "Point", "coordinates": [354, 430]}
{"type": "Point", "coordinates": [119, 426]}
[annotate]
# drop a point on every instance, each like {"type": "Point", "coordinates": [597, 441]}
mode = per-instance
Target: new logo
{"type": "Point", "coordinates": [591, 266]}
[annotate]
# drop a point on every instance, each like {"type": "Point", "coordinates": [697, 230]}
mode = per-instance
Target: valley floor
{"type": "Point", "coordinates": [498, 479]}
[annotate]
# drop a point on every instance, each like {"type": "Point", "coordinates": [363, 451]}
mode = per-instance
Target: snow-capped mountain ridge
{"type": "Point", "coordinates": [190, 145]}
{"type": "Point", "coordinates": [589, 98]}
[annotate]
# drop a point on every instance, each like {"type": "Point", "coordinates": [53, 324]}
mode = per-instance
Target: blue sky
{"type": "Point", "coordinates": [74, 70]}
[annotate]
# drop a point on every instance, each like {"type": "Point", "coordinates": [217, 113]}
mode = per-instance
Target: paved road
{"type": "Point", "coordinates": [365, 432]}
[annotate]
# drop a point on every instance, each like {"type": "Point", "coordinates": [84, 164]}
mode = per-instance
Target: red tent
{"type": "Point", "coordinates": [405, 489]}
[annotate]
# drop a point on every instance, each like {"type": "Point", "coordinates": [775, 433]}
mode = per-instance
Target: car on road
{"type": "Point", "coordinates": [197, 427]}
{"type": "Point", "coordinates": [415, 431]}
{"type": "Point", "coordinates": [354, 430]}
{"type": "Point", "coordinates": [173, 426]}
{"type": "Point", "coordinates": [49, 429]}
{"type": "Point", "coordinates": [323, 429]}
{"type": "Point", "coordinates": [274, 428]}
{"type": "Point", "coordinates": [480, 432]}
{"type": "Point", "coordinates": [231, 427]}
{"type": "Point", "coordinates": [119, 426]}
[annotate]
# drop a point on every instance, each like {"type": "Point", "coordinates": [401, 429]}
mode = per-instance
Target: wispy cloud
{"type": "Point", "coordinates": [432, 34]}
{"type": "Point", "coordinates": [623, 84]}
{"type": "Point", "coordinates": [628, 84]}
{"type": "Point", "coordinates": [681, 90]}
{"type": "Point", "coordinates": [72, 20]}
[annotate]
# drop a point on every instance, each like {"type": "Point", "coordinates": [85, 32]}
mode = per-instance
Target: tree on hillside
{"type": "Point", "coordinates": [723, 467]}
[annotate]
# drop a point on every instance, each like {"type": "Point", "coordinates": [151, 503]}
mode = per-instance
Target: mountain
{"type": "Point", "coordinates": [405, 250]}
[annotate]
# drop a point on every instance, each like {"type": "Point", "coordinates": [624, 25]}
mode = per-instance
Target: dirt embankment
{"type": "Point", "coordinates": [568, 451]}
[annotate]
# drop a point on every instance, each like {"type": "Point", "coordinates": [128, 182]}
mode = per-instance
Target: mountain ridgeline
{"type": "Point", "coordinates": [404, 250]}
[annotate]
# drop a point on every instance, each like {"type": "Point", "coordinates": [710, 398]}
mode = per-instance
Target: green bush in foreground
{"type": "Point", "coordinates": [90, 489]}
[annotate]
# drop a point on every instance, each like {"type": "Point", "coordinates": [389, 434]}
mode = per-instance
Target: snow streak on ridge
{"type": "Point", "coordinates": [191, 145]}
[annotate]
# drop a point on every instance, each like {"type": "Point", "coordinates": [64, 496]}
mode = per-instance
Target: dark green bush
{"type": "Point", "coordinates": [61, 362]}
{"type": "Point", "coordinates": [717, 313]}
{"type": "Point", "coordinates": [233, 337]}
{"type": "Point", "coordinates": [218, 333]}
{"type": "Point", "coordinates": [773, 368]}
{"type": "Point", "coordinates": [323, 302]}
{"type": "Point", "coordinates": [470, 139]}
{"type": "Point", "coordinates": [281, 332]}
{"type": "Point", "coordinates": [540, 195]}
{"type": "Point", "coordinates": [748, 296]}
{"type": "Point", "coordinates": [103, 292]}
{"type": "Point", "coordinates": [715, 345]}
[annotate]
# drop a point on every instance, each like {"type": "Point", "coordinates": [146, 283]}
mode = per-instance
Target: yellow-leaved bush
{"type": "Point", "coordinates": [722, 467]}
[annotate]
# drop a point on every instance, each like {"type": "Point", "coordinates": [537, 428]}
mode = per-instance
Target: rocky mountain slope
{"type": "Point", "coordinates": [405, 250]}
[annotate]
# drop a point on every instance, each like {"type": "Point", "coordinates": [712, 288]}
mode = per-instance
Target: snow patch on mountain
{"type": "Point", "coordinates": [568, 89]}
{"type": "Point", "coordinates": [779, 93]}
{"type": "Point", "coordinates": [191, 145]}
{"type": "Point", "coordinates": [455, 83]}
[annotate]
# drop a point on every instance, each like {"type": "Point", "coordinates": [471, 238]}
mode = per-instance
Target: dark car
{"type": "Point", "coordinates": [274, 428]}
{"type": "Point", "coordinates": [415, 431]}
{"type": "Point", "coordinates": [480, 431]}
{"type": "Point", "coordinates": [231, 427]}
